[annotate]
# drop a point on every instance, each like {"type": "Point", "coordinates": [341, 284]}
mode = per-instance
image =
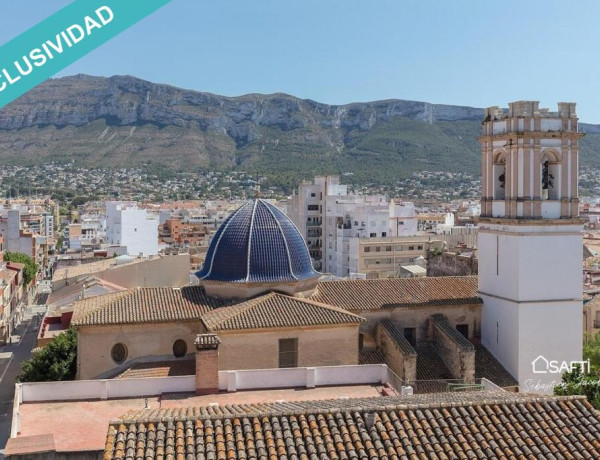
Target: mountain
{"type": "Point", "coordinates": [124, 121]}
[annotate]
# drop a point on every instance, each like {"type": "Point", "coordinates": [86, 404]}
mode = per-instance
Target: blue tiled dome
{"type": "Point", "coordinates": [257, 244]}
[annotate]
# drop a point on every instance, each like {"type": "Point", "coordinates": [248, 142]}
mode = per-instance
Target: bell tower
{"type": "Point", "coordinates": [530, 240]}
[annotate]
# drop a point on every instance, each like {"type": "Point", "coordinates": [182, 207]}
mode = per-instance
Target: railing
{"type": "Point", "coordinates": [450, 385]}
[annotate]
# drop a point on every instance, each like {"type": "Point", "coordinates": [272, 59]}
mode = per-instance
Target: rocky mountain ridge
{"type": "Point", "coordinates": [125, 121]}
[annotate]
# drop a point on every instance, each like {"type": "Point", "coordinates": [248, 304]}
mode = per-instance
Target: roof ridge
{"type": "Point", "coordinates": [321, 305]}
{"type": "Point", "coordinates": [235, 309]}
{"type": "Point", "coordinates": [327, 406]}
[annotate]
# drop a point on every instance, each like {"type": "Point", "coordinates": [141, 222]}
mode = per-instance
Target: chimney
{"type": "Point", "coordinates": [207, 364]}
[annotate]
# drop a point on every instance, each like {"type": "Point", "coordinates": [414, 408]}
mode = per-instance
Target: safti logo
{"type": "Point", "coordinates": [542, 365]}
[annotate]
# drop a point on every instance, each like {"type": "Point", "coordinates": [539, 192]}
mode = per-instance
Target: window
{"type": "Point", "coordinates": [388, 248]}
{"type": "Point", "coordinates": [463, 329]}
{"type": "Point", "coordinates": [118, 353]}
{"type": "Point", "coordinates": [377, 249]}
{"type": "Point", "coordinates": [372, 235]}
{"type": "Point", "coordinates": [420, 247]}
{"type": "Point", "coordinates": [411, 248]}
{"type": "Point", "coordinates": [288, 353]}
{"type": "Point", "coordinates": [313, 207]}
{"type": "Point", "coordinates": [356, 223]}
{"type": "Point", "coordinates": [410, 334]}
{"type": "Point", "coordinates": [383, 233]}
{"type": "Point", "coordinates": [312, 195]}
{"type": "Point", "coordinates": [367, 249]}
{"type": "Point", "coordinates": [179, 348]}
{"type": "Point", "coordinates": [399, 248]}
{"type": "Point", "coordinates": [373, 223]}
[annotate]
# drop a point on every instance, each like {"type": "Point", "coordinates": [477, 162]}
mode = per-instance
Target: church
{"type": "Point", "coordinates": [261, 299]}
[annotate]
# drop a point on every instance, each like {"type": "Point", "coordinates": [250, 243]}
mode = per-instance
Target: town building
{"type": "Point", "coordinates": [132, 228]}
{"type": "Point", "coordinates": [330, 219]}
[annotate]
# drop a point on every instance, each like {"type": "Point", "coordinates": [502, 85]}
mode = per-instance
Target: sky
{"type": "Point", "coordinates": [460, 52]}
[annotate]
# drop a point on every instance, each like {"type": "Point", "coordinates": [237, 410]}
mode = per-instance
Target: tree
{"type": "Point", "coordinates": [580, 383]}
{"type": "Point", "coordinates": [57, 361]}
{"type": "Point", "coordinates": [586, 383]}
{"type": "Point", "coordinates": [591, 350]}
{"type": "Point", "coordinates": [30, 269]}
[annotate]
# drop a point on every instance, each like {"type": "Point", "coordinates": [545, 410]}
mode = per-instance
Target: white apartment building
{"type": "Point", "coordinates": [329, 219]}
{"type": "Point", "coordinates": [132, 228]}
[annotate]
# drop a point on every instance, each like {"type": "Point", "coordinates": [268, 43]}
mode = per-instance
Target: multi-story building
{"type": "Point", "coordinates": [131, 227]}
{"type": "Point", "coordinates": [329, 219]}
{"type": "Point", "coordinates": [377, 257]}
{"type": "Point", "coordinates": [178, 232]}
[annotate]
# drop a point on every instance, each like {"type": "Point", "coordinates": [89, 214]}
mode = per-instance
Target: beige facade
{"type": "Point", "coordinates": [248, 349]}
{"type": "Point", "coordinates": [317, 346]}
{"type": "Point", "coordinates": [386, 255]}
{"type": "Point", "coordinates": [143, 342]}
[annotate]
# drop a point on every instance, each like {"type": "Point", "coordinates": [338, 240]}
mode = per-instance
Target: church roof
{"type": "Point", "coordinates": [257, 244]}
{"type": "Point", "coordinates": [276, 310]}
{"type": "Point", "coordinates": [451, 425]}
{"type": "Point", "coordinates": [144, 305]}
{"type": "Point", "coordinates": [358, 295]}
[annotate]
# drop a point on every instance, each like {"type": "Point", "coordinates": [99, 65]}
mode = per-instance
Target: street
{"type": "Point", "coordinates": [11, 357]}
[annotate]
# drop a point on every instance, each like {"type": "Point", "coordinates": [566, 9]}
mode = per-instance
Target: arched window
{"type": "Point", "coordinates": [179, 348]}
{"type": "Point", "coordinates": [499, 173]}
{"type": "Point", "coordinates": [550, 176]}
{"type": "Point", "coordinates": [119, 353]}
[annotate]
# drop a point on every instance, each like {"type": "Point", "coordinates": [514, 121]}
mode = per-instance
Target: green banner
{"type": "Point", "coordinates": [57, 42]}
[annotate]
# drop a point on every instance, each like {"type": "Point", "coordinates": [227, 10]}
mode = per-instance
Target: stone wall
{"type": "Point", "coordinates": [451, 264]}
{"type": "Point", "coordinates": [402, 364]}
{"type": "Point", "coordinates": [456, 352]}
{"type": "Point", "coordinates": [418, 317]}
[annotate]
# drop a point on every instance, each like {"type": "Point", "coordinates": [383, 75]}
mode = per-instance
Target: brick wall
{"type": "Point", "coordinates": [207, 372]}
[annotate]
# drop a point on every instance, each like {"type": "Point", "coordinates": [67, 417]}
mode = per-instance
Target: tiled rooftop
{"type": "Point", "coordinates": [144, 305]}
{"type": "Point", "coordinates": [442, 426]}
{"type": "Point", "coordinates": [171, 368]}
{"type": "Point", "coordinates": [357, 295]}
{"type": "Point", "coordinates": [276, 310]}
{"type": "Point", "coordinates": [82, 425]}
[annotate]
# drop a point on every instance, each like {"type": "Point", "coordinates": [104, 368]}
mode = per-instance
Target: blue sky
{"type": "Point", "coordinates": [463, 52]}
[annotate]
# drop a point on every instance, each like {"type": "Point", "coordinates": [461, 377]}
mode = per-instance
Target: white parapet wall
{"type": "Point", "coordinates": [307, 377]}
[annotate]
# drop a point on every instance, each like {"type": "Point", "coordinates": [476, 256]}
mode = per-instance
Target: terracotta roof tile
{"type": "Point", "coordinates": [276, 310]}
{"type": "Point", "coordinates": [144, 305]}
{"type": "Point", "coordinates": [358, 295]}
{"type": "Point", "coordinates": [450, 425]}
{"type": "Point", "coordinates": [160, 369]}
